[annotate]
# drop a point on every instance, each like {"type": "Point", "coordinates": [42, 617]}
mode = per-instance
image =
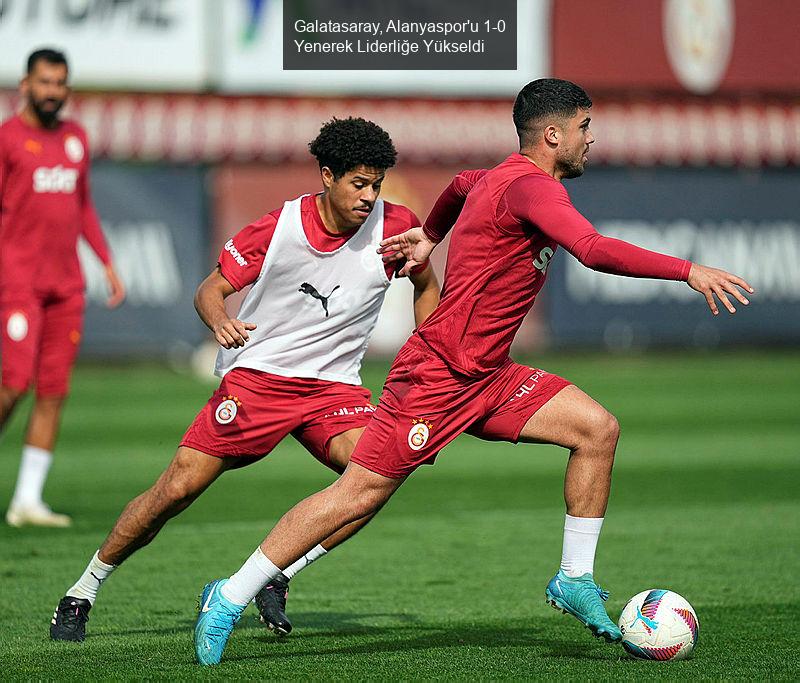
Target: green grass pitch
{"type": "Point", "coordinates": [448, 581]}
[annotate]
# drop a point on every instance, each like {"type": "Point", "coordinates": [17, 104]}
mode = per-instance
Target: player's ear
{"type": "Point", "coordinates": [327, 177]}
{"type": "Point", "coordinates": [24, 85]}
{"type": "Point", "coordinates": [552, 135]}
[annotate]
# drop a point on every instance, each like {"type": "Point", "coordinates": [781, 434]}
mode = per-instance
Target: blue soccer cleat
{"type": "Point", "coordinates": [215, 622]}
{"type": "Point", "coordinates": [583, 599]}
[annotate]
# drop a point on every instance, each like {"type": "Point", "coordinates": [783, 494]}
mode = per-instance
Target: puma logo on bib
{"type": "Point", "coordinates": [312, 292]}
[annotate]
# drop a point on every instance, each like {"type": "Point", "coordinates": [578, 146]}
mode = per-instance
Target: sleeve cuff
{"type": "Point", "coordinates": [432, 236]}
{"type": "Point", "coordinates": [227, 275]}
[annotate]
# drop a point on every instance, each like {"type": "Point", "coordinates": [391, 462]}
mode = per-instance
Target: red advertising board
{"type": "Point", "coordinates": [690, 46]}
{"type": "Point", "coordinates": [631, 128]}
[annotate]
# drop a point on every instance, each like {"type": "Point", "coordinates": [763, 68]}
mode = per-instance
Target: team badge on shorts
{"type": "Point", "coordinates": [419, 434]}
{"type": "Point", "coordinates": [227, 410]}
{"type": "Point", "coordinates": [17, 326]}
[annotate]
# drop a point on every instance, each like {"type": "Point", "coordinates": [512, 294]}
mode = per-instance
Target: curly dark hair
{"type": "Point", "coordinates": [345, 144]}
{"type": "Point", "coordinates": [547, 99]}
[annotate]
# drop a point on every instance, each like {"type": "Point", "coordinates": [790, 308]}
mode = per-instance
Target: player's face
{"type": "Point", "coordinates": [353, 195]}
{"type": "Point", "coordinates": [573, 149]}
{"type": "Point", "coordinates": [46, 89]}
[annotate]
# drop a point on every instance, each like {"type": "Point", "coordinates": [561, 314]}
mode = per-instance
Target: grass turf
{"type": "Point", "coordinates": [448, 581]}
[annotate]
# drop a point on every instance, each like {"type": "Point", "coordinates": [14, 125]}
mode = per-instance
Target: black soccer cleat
{"type": "Point", "coordinates": [271, 604]}
{"type": "Point", "coordinates": [69, 619]}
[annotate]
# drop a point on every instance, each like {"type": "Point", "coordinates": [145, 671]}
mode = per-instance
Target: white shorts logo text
{"type": "Point", "coordinates": [528, 386]}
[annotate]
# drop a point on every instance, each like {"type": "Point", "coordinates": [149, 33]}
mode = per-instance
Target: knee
{"type": "Point", "coordinates": [175, 494]}
{"type": "Point", "coordinates": [602, 429]}
{"type": "Point", "coordinates": [372, 501]}
{"type": "Point", "coordinates": [49, 404]}
{"type": "Point", "coordinates": [183, 492]}
{"type": "Point", "coordinates": [10, 396]}
{"type": "Point", "coordinates": [607, 430]}
{"type": "Point", "coordinates": [361, 501]}
{"type": "Point", "coordinates": [611, 428]}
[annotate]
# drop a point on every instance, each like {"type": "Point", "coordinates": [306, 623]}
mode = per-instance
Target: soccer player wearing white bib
{"type": "Point", "coordinates": [290, 361]}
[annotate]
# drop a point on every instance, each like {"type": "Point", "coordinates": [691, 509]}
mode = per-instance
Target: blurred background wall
{"type": "Point", "coordinates": [196, 131]}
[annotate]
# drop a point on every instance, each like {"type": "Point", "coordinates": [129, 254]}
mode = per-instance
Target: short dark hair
{"type": "Point", "coordinates": [46, 54]}
{"type": "Point", "coordinates": [345, 144]}
{"type": "Point", "coordinates": [547, 98]}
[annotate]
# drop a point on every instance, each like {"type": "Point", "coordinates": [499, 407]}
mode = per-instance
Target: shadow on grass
{"type": "Point", "coordinates": [413, 636]}
{"type": "Point", "coordinates": [319, 624]}
{"type": "Point", "coordinates": [177, 626]}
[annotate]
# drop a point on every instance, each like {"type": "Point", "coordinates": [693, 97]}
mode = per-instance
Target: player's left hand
{"type": "Point", "coordinates": [711, 282]}
{"type": "Point", "coordinates": [116, 290]}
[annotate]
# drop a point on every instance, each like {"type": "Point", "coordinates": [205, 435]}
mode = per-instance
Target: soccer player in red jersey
{"type": "Point", "coordinates": [290, 361]}
{"type": "Point", "coordinates": [455, 374]}
{"type": "Point", "coordinates": [45, 205]}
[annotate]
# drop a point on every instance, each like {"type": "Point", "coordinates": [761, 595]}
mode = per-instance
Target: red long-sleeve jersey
{"type": "Point", "coordinates": [507, 225]}
{"type": "Point", "coordinates": [45, 205]}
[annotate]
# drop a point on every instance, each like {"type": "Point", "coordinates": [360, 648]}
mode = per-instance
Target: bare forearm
{"type": "Point", "coordinates": [209, 302]}
{"type": "Point", "coordinates": [210, 306]}
{"type": "Point", "coordinates": [425, 301]}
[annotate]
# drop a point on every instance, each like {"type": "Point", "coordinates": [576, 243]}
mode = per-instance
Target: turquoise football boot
{"type": "Point", "coordinates": [583, 599]}
{"type": "Point", "coordinates": [215, 622]}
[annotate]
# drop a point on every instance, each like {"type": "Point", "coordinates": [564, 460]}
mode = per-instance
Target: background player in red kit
{"type": "Point", "coordinates": [318, 284]}
{"type": "Point", "coordinates": [455, 374]}
{"type": "Point", "coordinates": [45, 205]}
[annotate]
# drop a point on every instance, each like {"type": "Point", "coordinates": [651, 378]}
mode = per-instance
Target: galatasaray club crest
{"type": "Point", "coordinates": [73, 148]}
{"type": "Point", "coordinates": [17, 326]}
{"type": "Point", "coordinates": [226, 411]}
{"type": "Point", "coordinates": [419, 434]}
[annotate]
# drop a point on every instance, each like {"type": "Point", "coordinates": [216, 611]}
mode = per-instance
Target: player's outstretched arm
{"type": "Point", "coordinates": [209, 302]}
{"type": "Point", "coordinates": [559, 220]}
{"type": "Point", "coordinates": [712, 282]}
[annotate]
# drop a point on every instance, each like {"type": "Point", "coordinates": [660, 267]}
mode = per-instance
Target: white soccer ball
{"type": "Point", "coordinates": [659, 624]}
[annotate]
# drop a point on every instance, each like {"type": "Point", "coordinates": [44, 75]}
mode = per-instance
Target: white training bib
{"type": "Point", "coordinates": [315, 310]}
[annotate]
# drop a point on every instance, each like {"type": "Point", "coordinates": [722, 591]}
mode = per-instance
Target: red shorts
{"type": "Point", "coordinates": [41, 338]}
{"type": "Point", "coordinates": [252, 411]}
{"type": "Point", "coordinates": [425, 405]}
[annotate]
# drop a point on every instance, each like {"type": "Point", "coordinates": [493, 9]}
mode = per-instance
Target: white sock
{"type": "Point", "coordinates": [256, 573]}
{"type": "Point", "coordinates": [33, 471]}
{"type": "Point", "coordinates": [314, 554]}
{"type": "Point", "coordinates": [92, 578]}
{"type": "Point", "coordinates": [580, 542]}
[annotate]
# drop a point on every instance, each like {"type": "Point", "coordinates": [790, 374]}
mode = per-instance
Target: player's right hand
{"type": "Point", "coordinates": [711, 282]}
{"type": "Point", "coordinates": [116, 289]}
{"type": "Point", "coordinates": [232, 333]}
{"type": "Point", "coordinates": [412, 245]}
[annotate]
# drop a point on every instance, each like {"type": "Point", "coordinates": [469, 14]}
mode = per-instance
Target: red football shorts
{"type": "Point", "coordinates": [41, 338]}
{"type": "Point", "coordinates": [252, 411]}
{"type": "Point", "coordinates": [425, 405]}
